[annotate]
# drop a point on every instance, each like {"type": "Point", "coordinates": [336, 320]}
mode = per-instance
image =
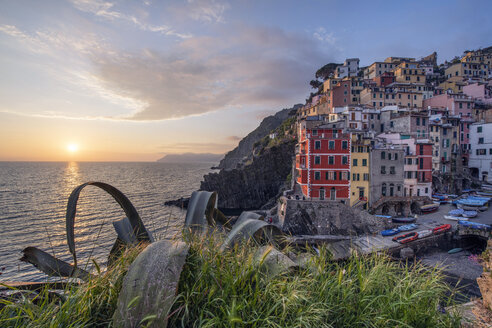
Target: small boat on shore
{"type": "Point", "coordinates": [474, 225]}
{"type": "Point", "coordinates": [390, 232]}
{"type": "Point", "coordinates": [383, 216]}
{"type": "Point", "coordinates": [469, 214]}
{"type": "Point", "coordinates": [454, 218]}
{"type": "Point", "coordinates": [441, 229]}
{"type": "Point", "coordinates": [403, 220]}
{"type": "Point", "coordinates": [455, 250]}
{"type": "Point", "coordinates": [456, 212]}
{"type": "Point", "coordinates": [429, 208]}
{"type": "Point", "coordinates": [406, 238]}
{"type": "Point", "coordinates": [408, 227]}
{"type": "Point", "coordinates": [424, 233]}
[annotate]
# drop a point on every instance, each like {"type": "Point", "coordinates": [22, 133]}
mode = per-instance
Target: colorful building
{"type": "Point", "coordinates": [360, 169]}
{"type": "Point", "coordinates": [323, 160]}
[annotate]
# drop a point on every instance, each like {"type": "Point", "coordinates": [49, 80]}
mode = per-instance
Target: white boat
{"type": "Point", "coordinates": [424, 233]}
{"type": "Point", "coordinates": [469, 214]}
{"type": "Point", "coordinates": [454, 218]}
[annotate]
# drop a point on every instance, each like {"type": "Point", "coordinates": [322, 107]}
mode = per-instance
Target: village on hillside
{"type": "Point", "coordinates": [400, 129]}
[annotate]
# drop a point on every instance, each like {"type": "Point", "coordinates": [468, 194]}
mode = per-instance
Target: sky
{"type": "Point", "coordinates": [95, 80]}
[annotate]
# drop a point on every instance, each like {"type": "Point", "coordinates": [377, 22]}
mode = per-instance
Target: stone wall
{"type": "Point", "coordinates": [299, 217]}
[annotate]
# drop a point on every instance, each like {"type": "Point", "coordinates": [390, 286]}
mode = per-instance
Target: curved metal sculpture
{"type": "Point", "coordinates": [249, 225]}
{"type": "Point", "coordinates": [150, 285]}
{"type": "Point", "coordinates": [138, 227]}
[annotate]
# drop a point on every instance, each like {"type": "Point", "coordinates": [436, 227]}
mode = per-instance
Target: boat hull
{"type": "Point", "coordinates": [403, 220]}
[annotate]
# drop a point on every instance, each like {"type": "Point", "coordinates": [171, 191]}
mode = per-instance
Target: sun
{"type": "Point", "coordinates": [72, 148]}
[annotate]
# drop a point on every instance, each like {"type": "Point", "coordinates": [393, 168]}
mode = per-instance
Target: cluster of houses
{"type": "Point", "coordinates": [386, 129]}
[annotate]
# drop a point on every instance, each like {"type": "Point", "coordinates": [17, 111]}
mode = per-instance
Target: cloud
{"type": "Point", "coordinates": [105, 9]}
{"type": "Point", "coordinates": [322, 35]}
{"type": "Point", "coordinates": [242, 66]}
{"type": "Point", "coordinates": [207, 10]}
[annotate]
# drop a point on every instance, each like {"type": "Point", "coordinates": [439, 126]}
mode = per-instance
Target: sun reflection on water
{"type": "Point", "coordinates": [71, 177]}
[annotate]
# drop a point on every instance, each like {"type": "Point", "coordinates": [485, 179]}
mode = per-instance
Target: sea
{"type": "Point", "coordinates": [33, 200]}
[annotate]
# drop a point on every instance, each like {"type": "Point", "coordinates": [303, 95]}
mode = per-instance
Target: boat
{"type": "Point", "coordinates": [383, 216]}
{"type": "Point", "coordinates": [406, 238]}
{"type": "Point", "coordinates": [452, 196]}
{"type": "Point", "coordinates": [469, 214]}
{"type": "Point", "coordinates": [455, 250]}
{"type": "Point", "coordinates": [441, 229]}
{"type": "Point", "coordinates": [483, 208]}
{"type": "Point", "coordinates": [472, 202]}
{"type": "Point", "coordinates": [475, 225]}
{"type": "Point", "coordinates": [456, 212]}
{"type": "Point", "coordinates": [454, 218]}
{"type": "Point", "coordinates": [484, 193]}
{"type": "Point", "coordinates": [408, 227]}
{"type": "Point", "coordinates": [403, 220]}
{"type": "Point", "coordinates": [429, 208]}
{"type": "Point", "coordinates": [390, 232]}
{"type": "Point", "coordinates": [424, 233]}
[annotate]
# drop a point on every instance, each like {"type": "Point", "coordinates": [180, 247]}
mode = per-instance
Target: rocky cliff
{"type": "Point", "coordinates": [254, 184]}
{"type": "Point", "coordinates": [244, 151]}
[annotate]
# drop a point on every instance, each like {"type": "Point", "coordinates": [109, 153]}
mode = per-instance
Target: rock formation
{"type": "Point", "coordinates": [253, 185]}
{"type": "Point", "coordinates": [244, 151]}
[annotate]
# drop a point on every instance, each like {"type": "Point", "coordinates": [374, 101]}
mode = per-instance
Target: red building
{"type": "Point", "coordinates": [339, 95]}
{"type": "Point", "coordinates": [424, 168]}
{"type": "Point", "coordinates": [384, 79]}
{"type": "Point", "coordinates": [323, 161]}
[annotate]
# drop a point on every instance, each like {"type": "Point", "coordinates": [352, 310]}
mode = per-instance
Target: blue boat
{"type": "Point", "coordinates": [408, 227]}
{"type": "Point", "coordinates": [457, 212]}
{"type": "Point", "coordinates": [475, 225]}
{"type": "Point", "coordinates": [390, 232]}
{"type": "Point", "coordinates": [469, 214]}
{"type": "Point", "coordinates": [383, 216]}
{"type": "Point", "coordinates": [472, 202]}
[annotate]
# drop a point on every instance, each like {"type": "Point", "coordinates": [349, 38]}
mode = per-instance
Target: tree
{"type": "Point", "coordinates": [315, 84]}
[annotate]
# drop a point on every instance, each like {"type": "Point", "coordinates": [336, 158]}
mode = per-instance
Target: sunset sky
{"type": "Point", "coordinates": [134, 80]}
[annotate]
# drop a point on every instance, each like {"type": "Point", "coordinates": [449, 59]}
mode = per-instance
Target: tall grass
{"type": "Point", "coordinates": [227, 289]}
{"type": "Point", "coordinates": [89, 305]}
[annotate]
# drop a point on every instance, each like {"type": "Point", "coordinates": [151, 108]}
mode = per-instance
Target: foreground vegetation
{"type": "Point", "coordinates": [230, 289]}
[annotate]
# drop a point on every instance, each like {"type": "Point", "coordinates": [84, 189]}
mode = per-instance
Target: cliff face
{"type": "Point", "coordinates": [243, 152]}
{"type": "Point", "coordinates": [255, 184]}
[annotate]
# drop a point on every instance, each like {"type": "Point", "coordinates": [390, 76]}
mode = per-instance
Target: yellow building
{"type": "Point", "coordinates": [467, 69]}
{"type": "Point", "coordinates": [478, 57]}
{"type": "Point", "coordinates": [378, 68]}
{"type": "Point", "coordinates": [455, 83]}
{"type": "Point", "coordinates": [359, 170]}
{"type": "Point", "coordinates": [409, 73]}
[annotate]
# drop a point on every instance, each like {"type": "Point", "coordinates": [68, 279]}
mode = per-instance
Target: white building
{"type": "Point", "coordinates": [349, 68]}
{"type": "Point", "coordinates": [480, 161]}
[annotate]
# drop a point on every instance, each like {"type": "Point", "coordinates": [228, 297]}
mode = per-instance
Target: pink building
{"type": "Point", "coordinates": [456, 103]}
{"type": "Point", "coordinates": [479, 91]}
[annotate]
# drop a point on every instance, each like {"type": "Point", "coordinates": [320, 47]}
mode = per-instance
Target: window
{"type": "Point", "coordinates": [327, 176]}
{"type": "Point", "coordinates": [317, 144]}
{"type": "Point", "coordinates": [317, 175]}
{"type": "Point", "coordinates": [392, 170]}
{"type": "Point", "coordinates": [389, 156]}
{"type": "Point", "coordinates": [454, 134]}
{"type": "Point", "coordinates": [366, 176]}
{"type": "Point", "coordinates": [317, 160]}
{"type": "Point", "coordinates": [354, 161]}
{"type": "Point", "coordinates": [344, 160]}
{"type": "Point", "coordinates": [331, 144]}
{"type": "Point", "coordinates": [421, 149]}
{"type": "Point", "coordinates": [423, 121]}
{"type": "Point", "coordinates": [418, 120]}
{"type": "Point", "coordinates": [391, 124]}
{"type": "Point", "coordinates": [315, 132]}
{"type": "Point", "coordinates": [421, 164]}
{"type": "Point", "coordinates": [479, 129]}
{"type": "Point", "coordinates": [392, 186]}
{"type": "Point", "coordinates": [344, 144]}
{"type": "Point", "coordinates": [383, 189]}
{"type": "Point", "coordinates": [353, 177]}
{"type": "Point", "coordinates": [364, 161]}
{"type": "Point", "coordinates": [409, 161]}
{"type": "Point", "coordinates": [343, 175]}
{"type": "Point", "coordinates": [383, 168]}
{"type": "Point", "coordinates": [396, 156]}
{"type": "Point", "coordinates": [480, 140]}
{"type": "Point", "coordinates": [383, 155]}
{"type": "Point", "coordinates": [331, 160]}
{"type": "Point", "coordinates": [481, 151]}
